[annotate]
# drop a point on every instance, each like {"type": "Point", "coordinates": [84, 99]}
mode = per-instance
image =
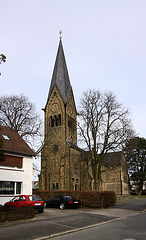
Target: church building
{"type": "Point", "coordinates": [64, 165]}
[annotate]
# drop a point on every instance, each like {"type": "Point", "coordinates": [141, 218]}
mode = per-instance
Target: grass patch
{"type": "Point", "coordinates": [140, 196]}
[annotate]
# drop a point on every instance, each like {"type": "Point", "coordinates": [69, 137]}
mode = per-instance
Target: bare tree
{"type": "Point", "coordinates": [2, 59]}
{"type": "Point", "coordinates": [104, 125]}
{"type": "Point", "coordinates": [18, 113]}
{"type": "Point", "coordinates": [1, 142]}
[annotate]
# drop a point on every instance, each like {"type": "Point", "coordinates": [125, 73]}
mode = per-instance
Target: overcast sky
{"type": "Point", "coordinates": [104, 43]}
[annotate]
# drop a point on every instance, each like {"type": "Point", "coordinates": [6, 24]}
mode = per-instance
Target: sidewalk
{"type": "Point", "coordinates": [117, 210]}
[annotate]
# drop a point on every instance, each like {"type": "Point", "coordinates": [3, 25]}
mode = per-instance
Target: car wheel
{"type": "Point", "coordinates": [62, 206]}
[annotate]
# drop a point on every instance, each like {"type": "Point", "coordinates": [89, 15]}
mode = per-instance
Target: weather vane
{"type": "Point", "coordinates": [60, 34]}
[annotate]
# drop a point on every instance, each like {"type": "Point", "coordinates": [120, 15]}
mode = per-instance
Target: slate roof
{"type": "Point", "coordinates": [85, 154]}
{"type": "Point", "coordinates": [15, 144]}
{"type": "Point", "coordinates": [60, 77]}
{"type": "Point", "coordinates": [74, 146]}
{"type": "Point", "coordinates": [110, 158]}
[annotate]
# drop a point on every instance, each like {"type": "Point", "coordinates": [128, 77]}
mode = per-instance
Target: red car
{"type": "Point", "coordinates": [27, 200]}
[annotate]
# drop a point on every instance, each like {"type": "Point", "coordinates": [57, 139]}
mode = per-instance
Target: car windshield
{"type": "Point", "coordinates": [15, 199]}
{"type": "Point", "coordinates": [56, 198]}
{"type": "Point", "coordinates": [67, 197]}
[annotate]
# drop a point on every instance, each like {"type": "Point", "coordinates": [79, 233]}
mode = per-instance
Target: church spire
{"type": "Point", "coordinates": [60, 77]}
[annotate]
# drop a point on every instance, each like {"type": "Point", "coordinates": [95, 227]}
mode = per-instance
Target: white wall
{"type": "Point", "coordinates": [23, 175]}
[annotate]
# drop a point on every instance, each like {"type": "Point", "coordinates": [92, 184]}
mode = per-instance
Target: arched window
{"type": "Point", "coordinates": [55, 186]}
{"type": "Point", "coordinates": [59, 119]}
{"type": "Point", "coordinates": [71, 123]}
{"type": "Point", "coordinates": [52, 122]}
{"type": "Point", "coordinates": [56, 121]}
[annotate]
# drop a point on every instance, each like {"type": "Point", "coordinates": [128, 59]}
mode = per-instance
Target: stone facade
{"type": "Point", "coordinates": [115, 176]}
{"type": "Point", "coordinates": [65, 166]}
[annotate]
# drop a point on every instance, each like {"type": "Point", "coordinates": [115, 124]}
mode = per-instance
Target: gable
{"type": "Point", "coordinates": [55, 102]}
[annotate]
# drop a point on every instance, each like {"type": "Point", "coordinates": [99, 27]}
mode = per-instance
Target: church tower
{"type": "Point", "coordinates": [60, 127]}
{"type": "Point", "coordinates": [64, 165]}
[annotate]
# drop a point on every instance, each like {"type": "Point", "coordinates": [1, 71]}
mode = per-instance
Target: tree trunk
{"type": "Point", "coordinates": [140, 187]}
{"type": "Point", "coordinates": [96, 171]}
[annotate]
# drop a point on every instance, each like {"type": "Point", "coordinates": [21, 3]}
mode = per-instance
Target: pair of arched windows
{"type": "Point", "coordinates": [55, 120]}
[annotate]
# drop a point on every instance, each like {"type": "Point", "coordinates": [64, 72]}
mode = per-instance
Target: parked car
{"type": "Point", "coordinates": [133, 192]}
{"type": "Point", "coordinates": [62, 202]}
{"type": "Point", "coordinates": [1, 206]}
{"type": "Point", "coordinates": [27, 200]}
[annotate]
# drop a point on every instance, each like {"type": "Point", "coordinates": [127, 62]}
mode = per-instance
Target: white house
{"type": "Point", "coordinates": [15, 165]}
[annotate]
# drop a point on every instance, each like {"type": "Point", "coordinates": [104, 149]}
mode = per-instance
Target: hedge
{"type": "Point", "coordinates": [11, 213]}
{"type": "Point", "coordinates": [88, 198]}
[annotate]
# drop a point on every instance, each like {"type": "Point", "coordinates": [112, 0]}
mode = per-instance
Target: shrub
{"type": "Point", "coordinates": [88, 198]}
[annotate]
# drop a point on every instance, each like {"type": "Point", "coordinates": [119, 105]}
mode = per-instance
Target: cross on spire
{"type": "Point", "coordinates": [60, 76]}
{"type": "Point", "coordinates": [60, 34]}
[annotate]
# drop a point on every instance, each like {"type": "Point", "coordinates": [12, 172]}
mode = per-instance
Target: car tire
{"type": "Point", "coordinates": [62, 206]}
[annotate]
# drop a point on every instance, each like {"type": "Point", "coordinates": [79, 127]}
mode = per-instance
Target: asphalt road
{"type": "Point", "coordinates": [131, 228]}
{"type": "Point", "coordinates": [56, 221]}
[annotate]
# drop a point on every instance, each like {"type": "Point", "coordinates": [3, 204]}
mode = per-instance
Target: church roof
{"type": "Point", "coordinates": [72, 145]}
{"type": "Point", "coordinates": [110, 158]}
{"type": "Point", "coordinates": [60, 77]}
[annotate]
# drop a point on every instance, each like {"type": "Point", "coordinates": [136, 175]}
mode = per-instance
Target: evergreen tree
{"type": "Point", "coordinates": [135, 154]}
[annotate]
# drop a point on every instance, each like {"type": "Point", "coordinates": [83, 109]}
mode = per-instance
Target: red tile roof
{"type": "Point", "coordinates": [15, 144]}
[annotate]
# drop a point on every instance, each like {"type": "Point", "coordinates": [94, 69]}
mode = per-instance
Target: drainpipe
{"type": "Point", "coordinates": [121, 182]}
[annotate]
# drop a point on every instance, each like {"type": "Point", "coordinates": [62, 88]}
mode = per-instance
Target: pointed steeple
{"type": "Point", "coordinates": [60, 77]}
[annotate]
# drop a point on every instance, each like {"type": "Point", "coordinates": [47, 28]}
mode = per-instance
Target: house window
{"type": "Point", "coordinates": [7, 187]}
{"type": "Point", "coordinates": [6, 137]}
{"type": "Point", "coordinates": [12, 188]}
{"type": "Point", "coordinates": [18, 187]}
